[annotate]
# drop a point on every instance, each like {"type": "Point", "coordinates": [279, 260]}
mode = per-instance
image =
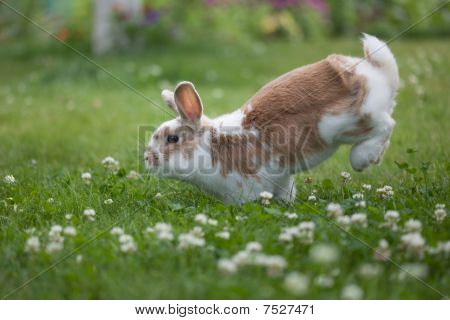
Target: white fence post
{"type": "Point", "coordinates": [106, 33]}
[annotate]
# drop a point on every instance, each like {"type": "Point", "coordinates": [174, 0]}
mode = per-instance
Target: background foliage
{"type": "Point", "coordinates": [164, 21]}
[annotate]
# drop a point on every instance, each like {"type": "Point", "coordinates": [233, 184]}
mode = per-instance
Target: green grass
{"type": "Point", "coordinates": [68, 115]}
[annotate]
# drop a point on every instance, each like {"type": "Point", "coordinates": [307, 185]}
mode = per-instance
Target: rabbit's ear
{"type": "Point", "coordinates": [188, 102]}
{"type": "Point", "coordinates": [169, 99]}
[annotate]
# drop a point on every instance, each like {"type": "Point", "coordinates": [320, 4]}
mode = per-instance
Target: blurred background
{"type": "Point", "coordinates": [110, 25]}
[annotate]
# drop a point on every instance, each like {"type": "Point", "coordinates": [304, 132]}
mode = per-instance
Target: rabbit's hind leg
{"type": "Point", "coordinates": [371, 150]}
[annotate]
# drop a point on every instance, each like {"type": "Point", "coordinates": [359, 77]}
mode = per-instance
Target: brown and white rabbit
{"type": "Point", "coordinates": [291, 124]}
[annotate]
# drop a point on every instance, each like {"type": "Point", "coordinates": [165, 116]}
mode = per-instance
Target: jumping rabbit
{"type": "Point", "coordinates": [291, 124]}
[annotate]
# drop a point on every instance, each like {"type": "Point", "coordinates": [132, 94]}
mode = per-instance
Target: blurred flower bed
{"type": "Point", "coordinates": [165, 21]}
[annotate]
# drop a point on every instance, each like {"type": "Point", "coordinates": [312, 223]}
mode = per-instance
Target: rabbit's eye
{"type": "Point", "coordinates": [172, 138]}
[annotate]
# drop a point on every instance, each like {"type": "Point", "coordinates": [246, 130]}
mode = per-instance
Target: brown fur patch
{"type": "Point", "coordinates": [297, 100]}
{"type": "Point", "coordinates": [242, 153]}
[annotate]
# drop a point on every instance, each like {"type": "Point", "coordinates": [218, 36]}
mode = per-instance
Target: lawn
{"type": "Point", "coordinates": [61, 116]}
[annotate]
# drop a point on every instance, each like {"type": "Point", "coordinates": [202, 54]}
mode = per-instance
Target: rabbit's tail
{"type": "Point", "coordinates": [380, 56]}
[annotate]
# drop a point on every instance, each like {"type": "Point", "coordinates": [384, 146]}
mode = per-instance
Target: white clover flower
{"type": "Point", "coordinates": [392, 217]}
{"type": "Point", "coordinates": [163, 231]}
{"type": "Point", "coordinates": [383, 244]}
{"type": "Point", "coordinates": [440, 214]}
{"type": "Point", "coordinates": [50, 200]}
{"type": "Point", "coordinates": [226, 266]}
{"type": "Point", "coordinates": [158, 195]}
{"type": "Point", "coordinates": [212, 222]}
{"type": "Point", "coordinates": [108, 201]}
{"type": "Point", "coordinates": [324, 281]}
{"type": "Point", "coordinates": [89, 213]}
{"type": "Point", "coordinates": [189, 240]}
{"type": "Point", "coordinates": [367, 187]}
{"type": "Point", "coordinates": [128, 247]}
{"type": "Point", "coordinates": [197, 231]}
{"type": "Point", "coordinates": [79, 258]}
{"type": "Point", "coordinates": [149, 230]}
{"type": "Point", "coordinates": [266, 197]}
{"type": "Point", "coordinates": [274, 264]}
{"type": "Point", "coordinates": [201, 218]}
{"type": "Point", "coordinates": [32, 244]}
{"type": "Point", "coordinates": [9, 179]}
{"type": "Point", "coordinates": [127, 244]}
{"type": "Point", "coordinates": [290, 215]}
{"type": "Point", "coordinates": [55, 233]}
{"type": "Point", "coordinates": [413, 225]}
{"type": "Point", "coordinates": [414, 243]}
{"type": "Point", "coordinates": [344, 222]}
{"type": "Point", "coordinates": [242, 258]}
{"type": "Point", "coordinates": [253, 246]}
{"type": "Point", "coordinates": [386, 192]}
{"type": "Point", "coordinates": [416, 270]}
{"type": "Point", "coordinates": [334, 210]}
{"type": "Point", "coordinates": [352, 292]}
{"type": "Point", "coordinates": [323, 253]}
{"type": "Point", "coordinates": [359, 219]}
{"type": "Point", "coordinates": [110, 163]}
{"type": "Point", "coordinates": [223, 234]}
{"type": "Point", "coordinates": [70, 231]}
{"type": "Point", "coordinates": [382, 253]}
{"type": "Point", "coordinates": [296, 283]}
{"type": "Point", "coordinates": [54, 247]}
{"type": "Point", "coordinates": [288, 234]}
{"type": "Point", "coordinates": [306, 226]}
{"type": "Point", "coordinates": [442, 248]}
{"type": "Point", "coordinates": [165, 235]}
{"type": "Point", "coordinates": [116, 231]}
{"type": "Point", "coordinates": [369, 270]}
{"type": "Point", "coordinates": [358, 196]}
{"type": "Point", "coordinates": [133, 175]}
{"type": "Point", "coordinates": [56, 243]}
{"type": "Point", "coordinates": [123, 238]}
{"type": "Point", "coordinates": [306, 231]}
{"type": "Point", "coordinates": [360, 204]}
{"type": "Point", "coordinates": [86, 177]}
{"type": "Point", "coordinates": [312, 197]}
{"type": "Point", "coordinates": [163, 227]}
{"type": "Point", "coordinates": [55, 229]}
{"type": "Point", "coordinates": [345, 176]}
